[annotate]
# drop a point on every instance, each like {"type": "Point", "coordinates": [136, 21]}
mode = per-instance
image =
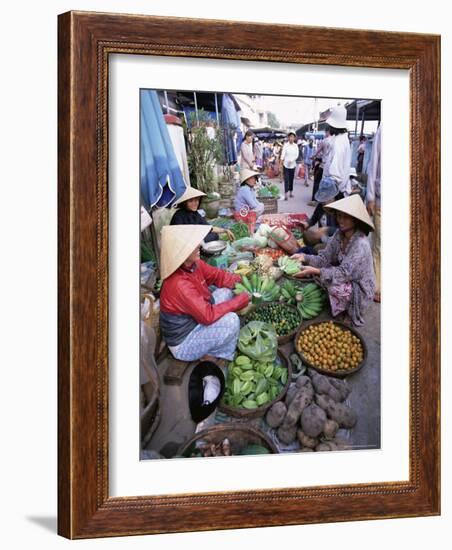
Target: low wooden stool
{"type": "Point", "coordinates": [175, 371]}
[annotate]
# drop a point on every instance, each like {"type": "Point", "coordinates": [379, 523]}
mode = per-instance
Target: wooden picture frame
{"type": "Point", "coordinates": [85, 508]}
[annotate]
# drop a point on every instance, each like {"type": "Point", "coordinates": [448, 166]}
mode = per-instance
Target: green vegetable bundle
{"type": "Point", "coordinates": [147, 252]}
{"type": "Point", "coordinates": [274, 190]}
{"type": "Point", "coordinates": [240, 230]}
{"type": "Point", "coordinates": [251, 384]}
{"type": "Point", "coordinates": [260, 288]}
{"type": "Point", "coordinates": [264, 192]}
{"type": "Point", "coordinates": [258, 341]}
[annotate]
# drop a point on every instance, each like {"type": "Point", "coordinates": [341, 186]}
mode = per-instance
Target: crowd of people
{"type": "Point", "coordinates": [197, 322]}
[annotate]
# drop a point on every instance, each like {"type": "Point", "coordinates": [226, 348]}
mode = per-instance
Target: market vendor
{"type": "Point", "coordinates": [324, 219]}
{"type": "Point", "coordinates": [195, 322]}
{"type": "Point", "coordinates": [345, 266]}
{"type": "Point", "coordinates": [187, 213]}
{"type": "Point", "coordinates": [245, 200]}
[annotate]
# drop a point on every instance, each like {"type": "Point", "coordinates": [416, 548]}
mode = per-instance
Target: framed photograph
{"type": "Point", "coordinates": [114, 476]}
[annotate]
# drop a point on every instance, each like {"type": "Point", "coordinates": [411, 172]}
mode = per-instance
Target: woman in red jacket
{"type": "Point", "coordinates": [194, 321]}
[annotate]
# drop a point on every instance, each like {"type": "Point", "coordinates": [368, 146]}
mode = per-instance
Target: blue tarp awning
{"type": "Point", "coordinates": [161, 179]}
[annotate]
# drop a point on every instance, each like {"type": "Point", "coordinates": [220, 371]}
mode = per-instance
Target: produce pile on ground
{"type": "Point", "coordinates": [330, 347]}
{"type": "Point", "coordinates": [309, 299]}
{"type": "Point", "coordinates": [261, 289]}
{"type": "Point", "coordinates": [274, 253]}
{"type": "Point", "coordinates": [243, 267]}
{"type": "Point", "coordinates": [312, 413]}
{"type": "Point", "coordinates": [283, 318]}
{"type": "Point", "coordinates": [251, 384]}
{"type": "Point", "coordinates": [263, 265]}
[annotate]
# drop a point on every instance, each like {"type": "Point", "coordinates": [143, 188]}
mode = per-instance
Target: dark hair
{"type": "Point", "coordinates": [359, 225]}
{"type": "Point", "coordinates": [336, 131]}
{"type": "Point", "coordinates": [248, 133]}
{"type": "Point", "coordinates": [185, 203]}
{"type": "Point", "coordinates": [244, 182]}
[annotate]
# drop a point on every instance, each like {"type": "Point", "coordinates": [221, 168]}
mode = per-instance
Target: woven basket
{"type": "Point", "coordinates": [270, 205]}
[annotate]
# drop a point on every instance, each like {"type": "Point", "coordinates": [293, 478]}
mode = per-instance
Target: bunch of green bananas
{"type": "Point", "coordinates": [260, 288]}
{"type": "Point", "coordinates": [251, 384]}
{"type": "Point", "coordinates": [314, 300]}
{"type": "Point", "coordinates": [290, 293]}
{"type": "Point", "coordinates": [290, 267]}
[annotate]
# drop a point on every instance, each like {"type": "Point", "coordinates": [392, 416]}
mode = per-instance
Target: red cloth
{"type": "Point", "coordinates": [186, 292]}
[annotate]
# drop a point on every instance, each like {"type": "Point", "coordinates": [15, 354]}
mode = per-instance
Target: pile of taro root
{"type": "Point", "coordinates": [312, 413]}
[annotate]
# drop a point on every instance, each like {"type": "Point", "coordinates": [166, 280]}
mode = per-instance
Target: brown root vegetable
{"type": "Point", "coordinates": [302, 380]}
{"type": "Point", "coordinates": [276, 414]}
{"type": "Point", "coordinates": [320, 382]}
{"type": "Point", "coordinates": [291, 394]}
{"type": "Point", "coordinates": [340, 412]}
{"type": "Point", "coordinates": [323, 385]}
{"type": "Point", "coordinates": [287, 434]}
{"type": "Point", "coordinates": [342, 387]}
{"type": "Point", "coordinates": [322, 401]}
{"type": "Point", "coordinates": [330, 428]}
{"type": "Point", "coordinates": [326, 446]}
{"type": "Point", "coordinates": [312, 420]}
{"type": "Point", "coordinates": [300, 401]}
{"type": "Point", "coordinates": [306, 441]}
{"type": "Point", "coordinates": [306, 450]}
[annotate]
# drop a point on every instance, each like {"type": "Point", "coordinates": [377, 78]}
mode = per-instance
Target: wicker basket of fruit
{"type": "Point", "coordinates": [228, 440]}
{"type": "Point", "coordinates": [331, 348]}
{"type": "Point", "coordinates": [285, 319]}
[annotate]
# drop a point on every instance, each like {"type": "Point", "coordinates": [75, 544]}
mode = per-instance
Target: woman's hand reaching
{"type": "Point", "coordinates": [308, 271]}
{"type": "Point", "coordinates": [299, 257]}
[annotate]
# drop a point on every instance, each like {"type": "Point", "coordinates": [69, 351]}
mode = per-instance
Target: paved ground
{"type": "Point", "coordinates": [176, 425]}
{"type": "Point", "coordinates": [365, 396]}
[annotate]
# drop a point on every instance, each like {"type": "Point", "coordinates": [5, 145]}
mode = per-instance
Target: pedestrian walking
{"type": "Point", "coordinates": [288, 162]}
{"type": "Point", "coordinates": [308, 157]}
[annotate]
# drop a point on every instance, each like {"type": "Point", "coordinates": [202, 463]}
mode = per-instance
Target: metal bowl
{"type": "Point", "coordinates": [213, 247]}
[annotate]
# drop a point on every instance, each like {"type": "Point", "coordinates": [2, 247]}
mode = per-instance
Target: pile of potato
{"type": "Point", "coordinates": [313, 412]}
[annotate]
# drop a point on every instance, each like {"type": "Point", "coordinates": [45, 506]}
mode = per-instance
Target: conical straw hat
{"type": "Point", "coordinates": [177, 243]}
{"type": "Point", "coordinates": [353, 206]}
{"type": "Point", "coordinates": [246, 173]}
{"type": "Point", "coordinates": [338, 117]}
{"type": "Point", "coordinates": [190, 193]}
